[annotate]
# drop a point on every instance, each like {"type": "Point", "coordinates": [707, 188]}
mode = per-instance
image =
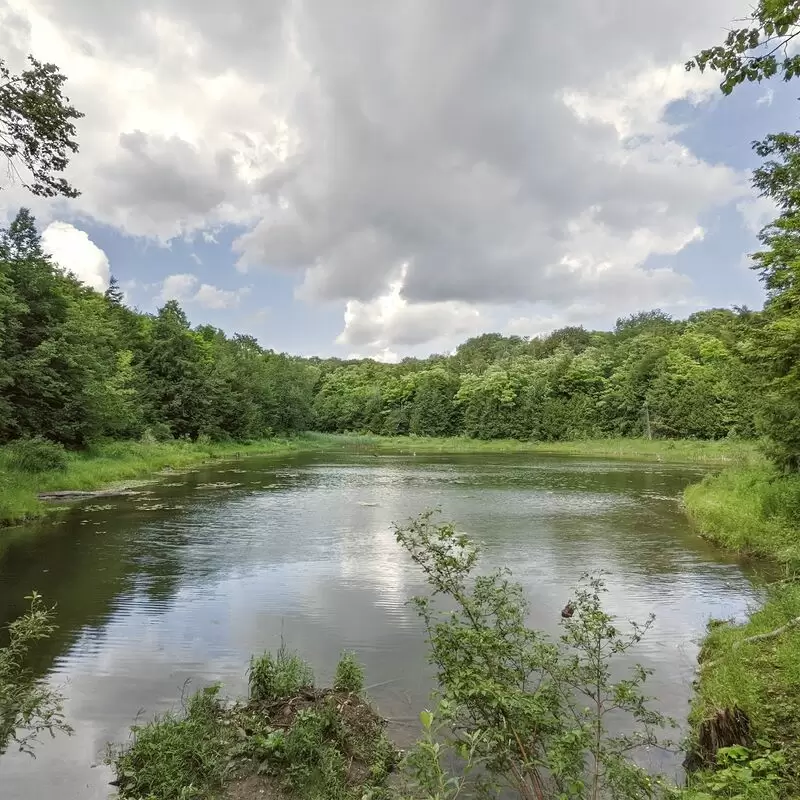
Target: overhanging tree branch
{"type": "Point", "coordinates": [37, 128]}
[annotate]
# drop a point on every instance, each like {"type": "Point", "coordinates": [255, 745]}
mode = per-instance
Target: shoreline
{"type": "Point", "coordinates": [113, 467]}
{"type": "Point", "coordinates": [752, 666]}
{"type": "Point", "coordinates": [671, 451]}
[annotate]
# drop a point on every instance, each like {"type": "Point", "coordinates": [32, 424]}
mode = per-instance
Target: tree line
{"type": "Point", "coordinates": [77, 366]}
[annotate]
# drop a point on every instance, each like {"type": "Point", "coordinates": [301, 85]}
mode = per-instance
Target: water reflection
{"type": "Point", "coordinates": [184, 581]}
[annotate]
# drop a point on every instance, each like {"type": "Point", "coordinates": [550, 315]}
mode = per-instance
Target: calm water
{"type": "Point", "coordinates": [185, 580]}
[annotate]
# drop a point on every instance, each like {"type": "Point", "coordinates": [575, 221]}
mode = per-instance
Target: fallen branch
{"type": "Point", "coordinates": [759, 637]}
{"type": "Point", "coordinates": [82, 495]}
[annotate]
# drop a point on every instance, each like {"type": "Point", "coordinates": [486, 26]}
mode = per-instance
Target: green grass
{"type": "Point", "coordinates": [282, 675]}
{"type": "Point", "coordinates": [178, 756]}
{"type": "Point", "coordinates": [302, 743]}
{"type": "Point", "coordinates": [755, 511]}
{"type": "Point", "coordinates": [761, 678]}
{"type": "Point", "coordinates": [116, 463]}
{"type": "Point", "coordinates": [752, 511]}
{"type": "Point", "coordinates": [667, 450]}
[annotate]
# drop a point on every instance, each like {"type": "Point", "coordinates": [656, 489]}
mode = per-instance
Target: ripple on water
{"type": "Point", "coordinates": [305, 551]}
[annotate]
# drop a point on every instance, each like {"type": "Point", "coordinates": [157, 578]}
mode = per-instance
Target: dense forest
{"type": "Point", "coordinates": [77, 366]}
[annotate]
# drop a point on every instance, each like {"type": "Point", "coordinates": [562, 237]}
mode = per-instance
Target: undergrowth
{"type": "Point", "coordinates": [180, 756]}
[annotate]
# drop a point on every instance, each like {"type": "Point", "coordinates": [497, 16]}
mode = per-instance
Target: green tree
{"type": "Point", "coordinates": [37, 128]}
{"type": "Point", "coordinates": [779, 264]}
{"type": "Point", "coordinates": [113, 293]}
{"type": "Point", "coordinates": [176, 369]}
{"type": "Point", "coordinates": [637, 361]}
{"type": "Point", "coordinates": [35, 307]}
{"type": "Point", "coordinates": [758, 49]}
{"type": "Point", "coordinates": [754, 52]}
{"type": "Point", "coordinates": [693, 392]}
{"type": "Point", "coordinates": [433, 412]}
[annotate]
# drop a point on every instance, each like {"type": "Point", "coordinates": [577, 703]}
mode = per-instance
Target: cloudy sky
{"type": "Point", "coordinates": [387, 178]}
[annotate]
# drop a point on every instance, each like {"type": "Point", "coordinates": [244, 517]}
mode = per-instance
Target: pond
{"type": "Point", "coordinates": [180, 583]}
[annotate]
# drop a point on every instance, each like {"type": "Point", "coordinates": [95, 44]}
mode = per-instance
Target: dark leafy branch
{"type": "Point", "coordinates": [759, 49]}
{"type": "Point", "coordinates": [37, 128]}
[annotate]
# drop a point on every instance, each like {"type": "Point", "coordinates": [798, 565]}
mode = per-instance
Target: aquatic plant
{"type": "Point", "coordinates": [28, 707]}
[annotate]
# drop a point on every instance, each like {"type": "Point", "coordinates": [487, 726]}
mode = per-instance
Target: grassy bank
{"type": "Point", "coordinates": [761, 677]}
{"type": "Point", "coordinates": [667, 450]}
{"type": "Point", "coordinates": [752, 511]}
{"type": "Point", "coordinates": [116, 463]}
{"type": "Point", "coordinates": [755, 511]}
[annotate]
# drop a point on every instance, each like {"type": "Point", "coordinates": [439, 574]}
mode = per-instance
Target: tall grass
{"type": "Point", "coordinates": [282, 675]}
{"type": "Point", "coordinates": [178, 756]}
{"type": "Point", "coordinates": [755, 511]}
{"type": "Point", "coordinates": [723, 451]}
{"type": "Point", "coordinates": [752, 511]}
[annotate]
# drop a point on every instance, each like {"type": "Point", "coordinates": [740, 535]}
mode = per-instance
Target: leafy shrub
{"type": "Point", "coordinates": [37, 455]}
{"type": "Point", "coordinates": [741, 774]}
{"type": "Point", "coordinates": [213, 433]}
{"type": "Point", "coordinates": [349, 674]}
{"type": "Point", "coordinates": [424, 774]}
{"type": "Point", "coordinates": [531, 711]}
{"type": "Point", "coordinates": [275, 677]}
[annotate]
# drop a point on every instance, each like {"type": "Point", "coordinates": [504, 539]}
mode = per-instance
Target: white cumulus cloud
{"type": "Point", "coordinates": [73, 250]}
{"type": "Point", "coordinates": [461, 141]}
{"type": "Point", "coordinates": [390, 319]}
{"type": "Point", "coordinates": [187, 288]}
{"type": "Point", "coordinates": [180, 287]}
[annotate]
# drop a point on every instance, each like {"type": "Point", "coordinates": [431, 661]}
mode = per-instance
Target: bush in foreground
{"type": "Point", "coordinates": [27, 706]}
{"type": "Point", "coordinates": [531, 712]}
